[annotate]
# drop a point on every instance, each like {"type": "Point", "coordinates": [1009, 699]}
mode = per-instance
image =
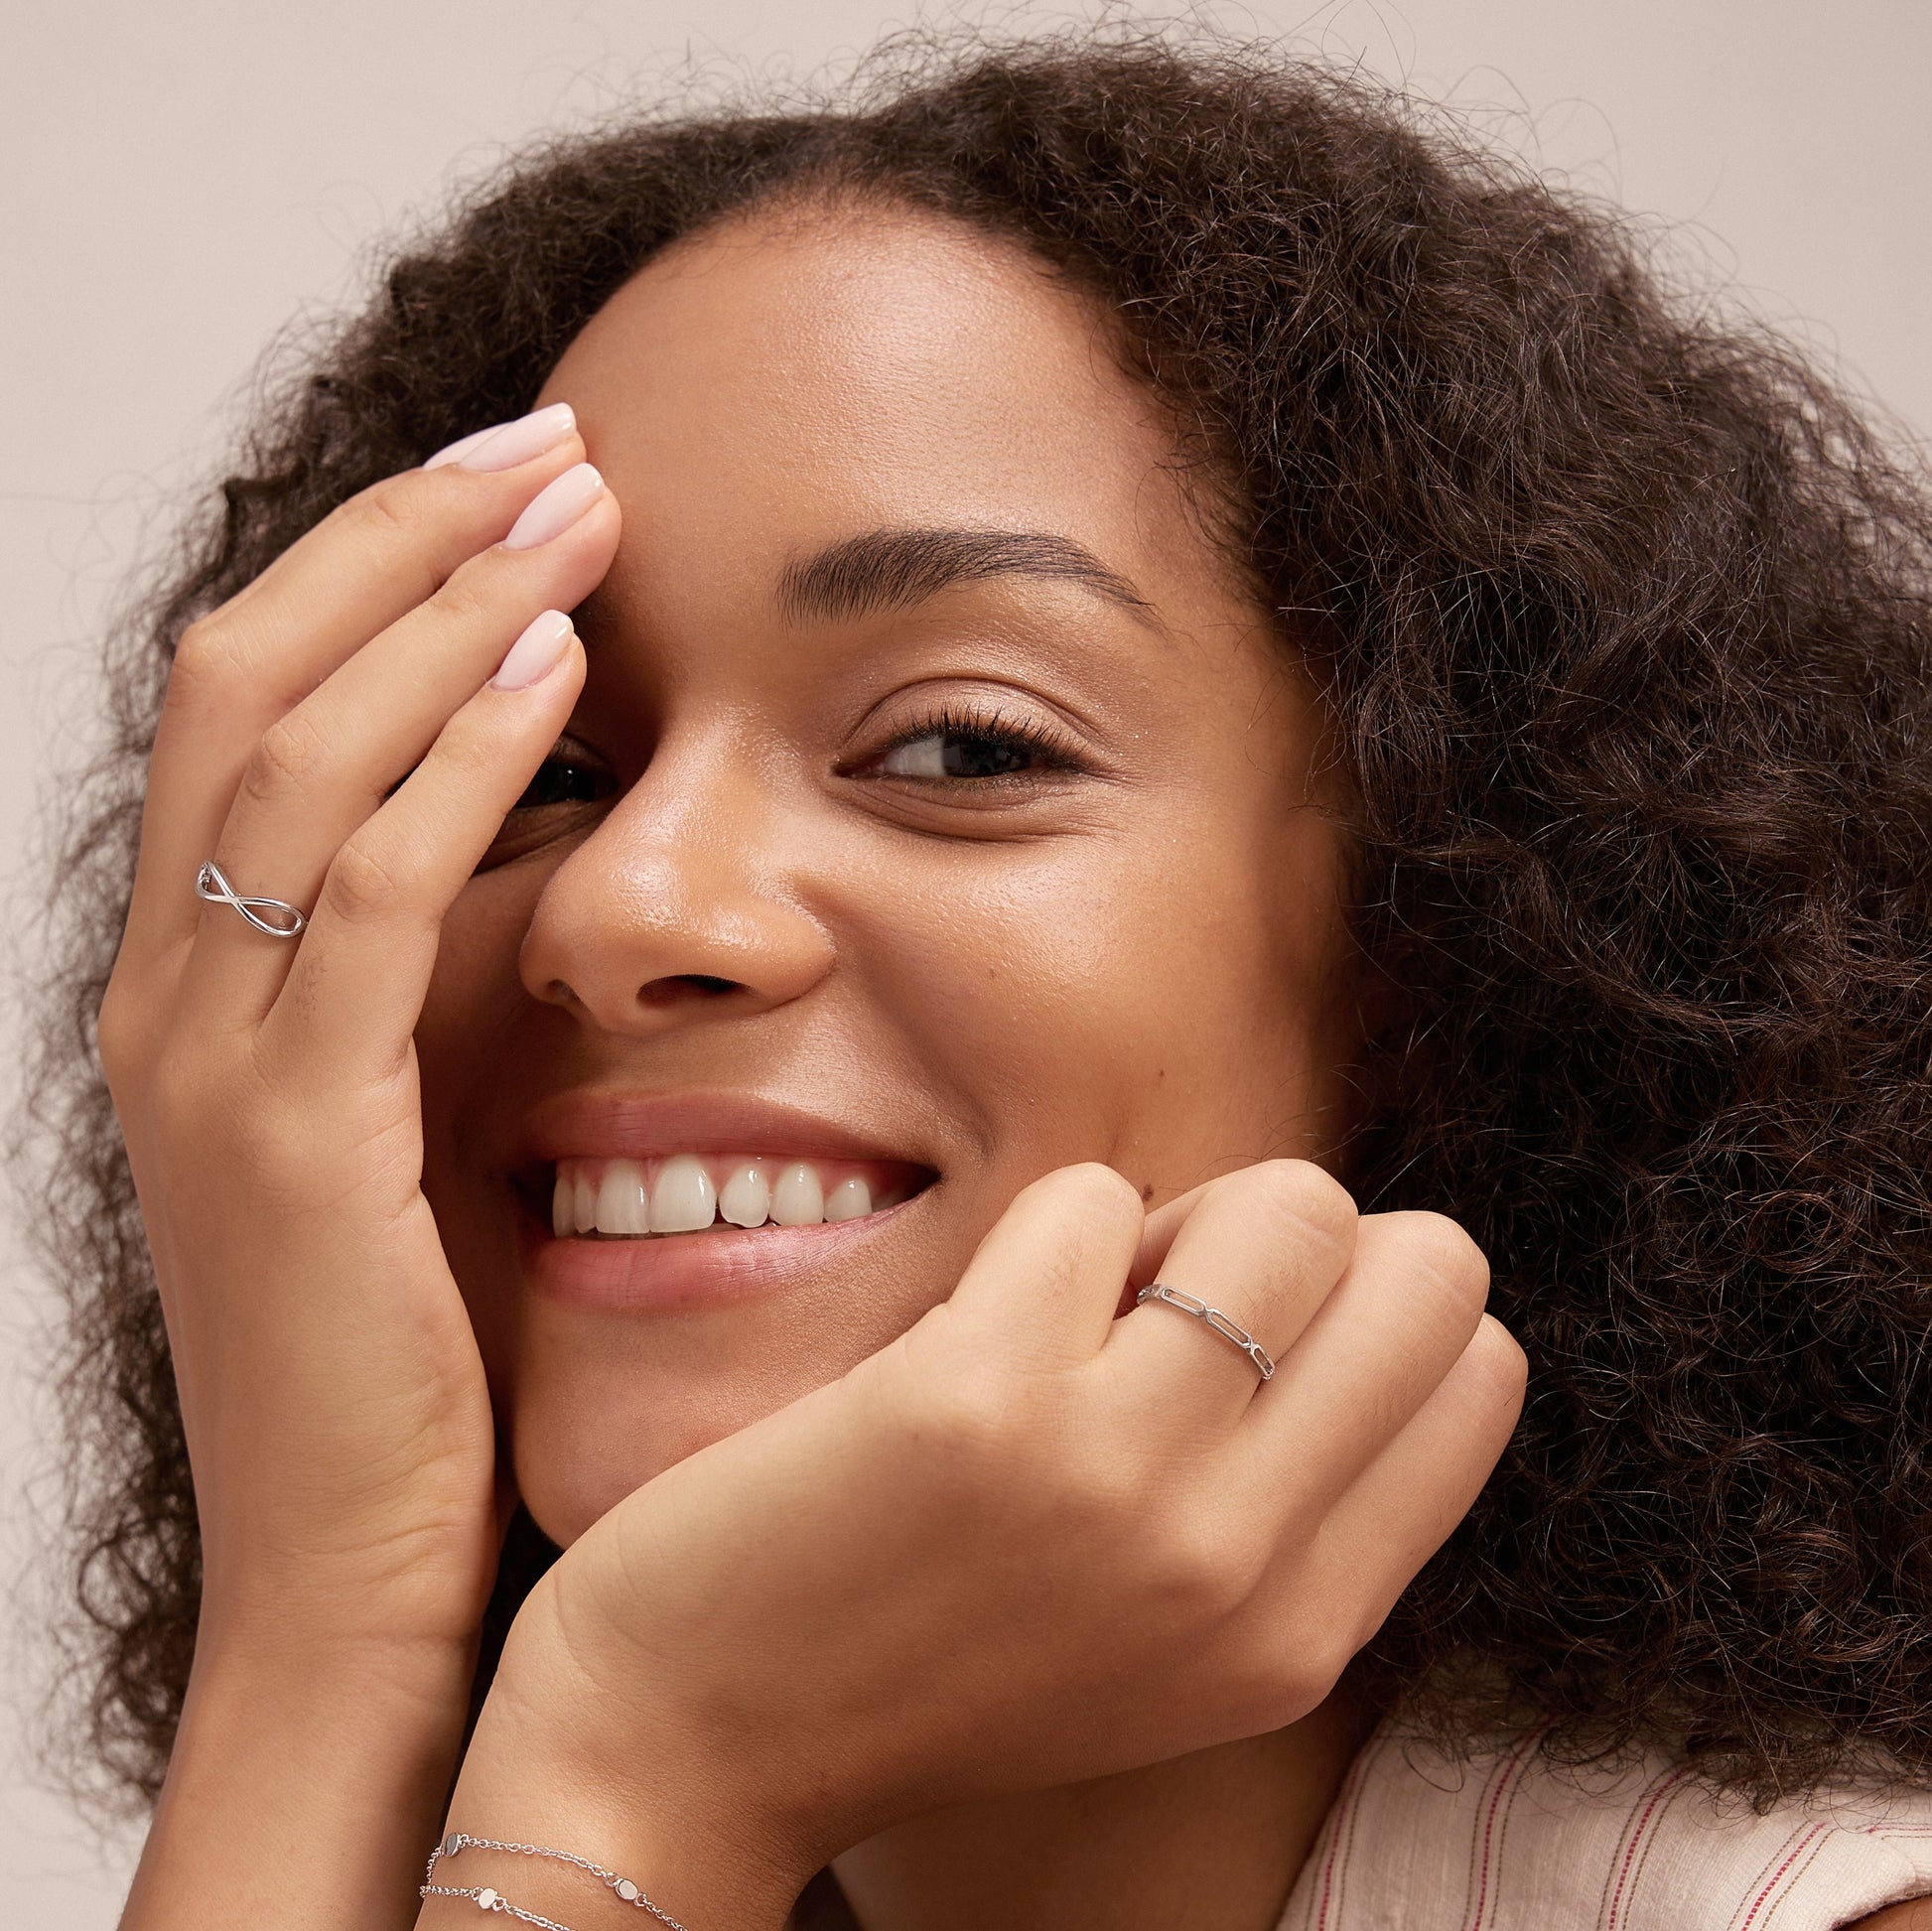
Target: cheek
{"type": "Point", "coordinates": [474, 1020]}
{"type": "Point", "coordinates": [1157, 1002]}
{"type": "Point", "coordinates": [474, 1002]}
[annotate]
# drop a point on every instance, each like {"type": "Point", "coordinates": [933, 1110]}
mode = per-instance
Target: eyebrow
{"type": "Point", "coordinates": [899, 569]}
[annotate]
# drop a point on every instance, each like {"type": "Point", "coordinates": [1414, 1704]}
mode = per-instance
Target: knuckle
{"type": "Point", "coordinates": [1282, 1668]}
{"type": "Point", "coordinates": [206, 654]}
{"type": "Point", "coordinates": [1207, 1571]}
{"type": "Point", "coordinates": [1498, 1370]}
{"type": "Point", "coordinates": [465, 600]}
{"type": "Point", "coordinates": [286, 756]}
{"type": "Point", "coordinates": [364, 882]}
{"type": "Point", "coordinates": [1090, 1188]}
{"type": "Point", "coordinates": [1267, 1688]}
{"type": "Point", "coordinates": [1300, 1199]}
{"type": "Point", "coordinates": [1440, 1257]}
{"type": "Point", "coordinates": [1325, 1656]}
{"type": "Point", "coordinates": [389, 511]}
{"type": "Point", "coordinates": [1078, 1213]}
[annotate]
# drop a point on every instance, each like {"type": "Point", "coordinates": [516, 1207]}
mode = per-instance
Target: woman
{"type": "Point", "coordinates": [1135, 610]}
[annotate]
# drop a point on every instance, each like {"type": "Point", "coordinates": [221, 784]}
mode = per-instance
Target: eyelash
{"type": "Point", "coordinates": [1048, 750]}
{"type": "Point", "coordinates": [1054, 753]}
{"type": "Point", "coordinates": [566, 757]}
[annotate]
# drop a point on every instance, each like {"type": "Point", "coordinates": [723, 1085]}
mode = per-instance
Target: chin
{"type": "Point", "coordinates": [575, 1458]}
{"type": "Point", "coordinates": [630, 1355]}
{"type": "Point", "coordinates": [592, 1422]}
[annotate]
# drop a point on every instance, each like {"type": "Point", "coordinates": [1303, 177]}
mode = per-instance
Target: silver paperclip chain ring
{"type": "Point", "coordinates": [1212, 1317]}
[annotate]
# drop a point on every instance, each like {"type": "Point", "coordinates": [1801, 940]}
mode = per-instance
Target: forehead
{"type": "Point", "coordinates": [789, 378]}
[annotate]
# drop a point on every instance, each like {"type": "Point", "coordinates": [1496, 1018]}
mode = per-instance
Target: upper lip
{"type": "Point", "coordinates": [588, 1123]}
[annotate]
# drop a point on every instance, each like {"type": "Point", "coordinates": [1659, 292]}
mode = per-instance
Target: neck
{"type": "Point", "coordinates": [1211, 1842]}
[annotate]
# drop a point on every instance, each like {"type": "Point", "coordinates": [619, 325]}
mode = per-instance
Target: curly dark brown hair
{"type": "Point", "coordinates": [1625, 616]}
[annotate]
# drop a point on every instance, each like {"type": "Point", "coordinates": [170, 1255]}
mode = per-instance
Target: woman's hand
{"type": "Point", "coordinates": [1026, 1544]}
{"type": "Point", "coordinates": [344, 735]}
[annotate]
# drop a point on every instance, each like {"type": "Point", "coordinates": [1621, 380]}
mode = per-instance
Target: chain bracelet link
{"type": "Point", "coordinates": [456, 1841]}
{"type": "Point", "coordinates": [489, 1899]}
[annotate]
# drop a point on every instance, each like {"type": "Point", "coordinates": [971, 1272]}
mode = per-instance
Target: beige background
{"type": "Point", "coordinates": [181, 179]}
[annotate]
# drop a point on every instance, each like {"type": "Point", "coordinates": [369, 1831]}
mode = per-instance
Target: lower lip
{"type": "Point", "coordinates": [670, 1270]}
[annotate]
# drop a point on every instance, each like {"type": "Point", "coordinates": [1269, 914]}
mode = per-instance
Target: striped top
{"type": "Point", "coordinates": [1418, 1842]}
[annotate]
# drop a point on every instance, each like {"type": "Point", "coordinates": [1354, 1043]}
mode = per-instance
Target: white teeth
{"type": "Point", "coordinates": [682, 1194]}
{"type": "Point", "coordinates": [684, 1198]}
{"type": "Point", "coordinates": [851, 1199]}
{"type": "Point", "coordinates": [746, 1199]}
{"type": "Point", "coordinates": [621, 1205]}
{"type": "Point", "coordinates": [797, 1200]}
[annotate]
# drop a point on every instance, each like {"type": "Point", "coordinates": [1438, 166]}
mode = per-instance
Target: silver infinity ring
{"type": "Point", "coordinates": [284, 921]}
{"type": "Point", "coordinates": [1215, 1318]}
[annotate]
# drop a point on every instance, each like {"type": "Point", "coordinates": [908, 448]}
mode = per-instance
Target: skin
{"type": "Point", "coordinates": [903, 955]}
{"type": "Point", "coordinates": [838, 1584]}
{"type": "Point", "coordinates": [896, 952]}
{"type": "Point", "coordinates": [900, 952]}
{"type": "Point", "coordinates": [908, 1524]}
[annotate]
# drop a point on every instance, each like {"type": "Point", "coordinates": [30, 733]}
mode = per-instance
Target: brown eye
{"type": "Point", "coordinates": [959, 747]}
{"type": "Point", "coordinates": [960, 754]}
{"type": "Point", "coordinates": [565, 779]}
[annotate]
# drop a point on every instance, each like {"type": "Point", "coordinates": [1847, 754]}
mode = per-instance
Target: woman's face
{"type": "Point", "coordinates": [941, 811]}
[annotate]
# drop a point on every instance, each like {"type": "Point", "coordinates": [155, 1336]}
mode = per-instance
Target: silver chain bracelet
{"type": "Point", "coordinates": [491, 1900]}
{"type": "Point", "coordinates": [488, 1898]}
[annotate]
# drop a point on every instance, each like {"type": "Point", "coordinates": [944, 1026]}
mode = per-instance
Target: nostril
{"type": "Point", "coordinates": [682, 985]}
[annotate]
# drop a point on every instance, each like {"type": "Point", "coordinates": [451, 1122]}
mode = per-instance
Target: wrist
{"type": "Point", "coordinates": [301, 1769]}
{"type": "Point", "coordinates": [408, 1599]}
{"type": "Point", "coordinates": [355, 1694]}
{"type": "Point", "coordinates": [646, 1798]}
{"type": "Point", "coordinates": [282, 1647]}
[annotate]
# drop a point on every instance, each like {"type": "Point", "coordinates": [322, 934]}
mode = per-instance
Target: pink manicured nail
{"type": "Point", "coordinates": [555, 507]}
{"type": "Point", "coordinates": [502, 446]}
{"type": "Point", "coordinates": [456, 451]}
{"type": "Point", "coordinates": [534, 655]}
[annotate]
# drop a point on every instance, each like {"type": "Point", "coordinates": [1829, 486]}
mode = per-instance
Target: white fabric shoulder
{"type": "Point", "coordinates": [1419, 1843]}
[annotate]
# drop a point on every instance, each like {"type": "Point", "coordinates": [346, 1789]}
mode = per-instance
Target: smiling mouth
{"type": "Point", "coordinates": [686, 1193]}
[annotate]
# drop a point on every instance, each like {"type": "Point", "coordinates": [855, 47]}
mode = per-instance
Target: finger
{"type": "Point", "coordinates": [322, 769]}
{"type": "Point", "coordinates": [239, 669]}
{"type": "Point", "coordinates": [1048, 1277]}
{"type": "Point", "coordinates": [1162, 1224]}
{"type": "Point", "coordinates": [355, 989]}
{"type": "Point", "coordinates": [1378, 1348]}
{"type": "Point", "coordinates": [1406, 1502]}
{"type": "Point", "coordinates": [1263, 1247]}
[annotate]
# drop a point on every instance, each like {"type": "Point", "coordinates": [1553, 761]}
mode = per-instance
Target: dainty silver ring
{"type": "Point", "coordinates": [284, 921]}
{"type": "Point", "coordinates": [1212, 1317]}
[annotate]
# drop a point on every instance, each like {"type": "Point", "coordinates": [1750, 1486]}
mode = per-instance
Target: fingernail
{"type": "Point", "coordinates": [534, 655]}
{"type": "Point", "coordinates": [555, 507]}
{"type": "Point", "coordinates": [502, 446]}
{"type": "Point", "coordinates": [456, 451]}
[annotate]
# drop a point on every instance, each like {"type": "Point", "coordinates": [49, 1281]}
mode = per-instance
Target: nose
{"type": "Point", "coordinates": [675, 907]}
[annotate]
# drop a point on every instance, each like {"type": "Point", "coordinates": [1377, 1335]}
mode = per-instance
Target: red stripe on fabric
{"type": "Point", "coordinates": [1489, 1825]}
{"type": "Point", "coordinates": [1345, 1815]}
{"type": "Point", "coordinates": [1771, 1883]}
{"type": "Point", "coordinates": [1636, 1843]}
